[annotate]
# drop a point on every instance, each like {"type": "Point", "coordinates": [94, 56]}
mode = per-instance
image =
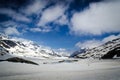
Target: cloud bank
{"type": "Point", "coordinates": [99, 18]}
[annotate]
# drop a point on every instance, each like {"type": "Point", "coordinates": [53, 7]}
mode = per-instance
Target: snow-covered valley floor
{"type": "Point", "coordinates": [87, 69]}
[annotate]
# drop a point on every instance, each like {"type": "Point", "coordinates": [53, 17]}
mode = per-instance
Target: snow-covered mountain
{"type": "Point", "coordinates": [108, 50]}
{"type": "Point", "coordinates": [10, 47]}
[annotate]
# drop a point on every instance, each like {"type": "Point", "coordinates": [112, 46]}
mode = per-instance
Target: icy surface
{"type": "Point", "coordinates": [88, 69]}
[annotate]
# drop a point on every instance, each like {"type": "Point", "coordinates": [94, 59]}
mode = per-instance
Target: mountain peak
{"type": "Point", "coordinates": [3, 36]}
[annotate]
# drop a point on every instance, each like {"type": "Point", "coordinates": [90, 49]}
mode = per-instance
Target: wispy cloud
{"type": "Point", "coordinates": [13, 28]}
{"type": "Point", "coordinates": [63, 20]}
{"type": "Point", "coordinates": [14, 15]}
{"type": "Point", "coordinates": [46, 14]}
{"type": "Point", "coordinates": [51, 14]}
{"type": "Point", "coordinates": [63, 51]}
{"type": "Point", "coordinates": [95, 43]}
{"type": "Point", "coordinates": [34, 8]}
{"type": "Point", "coordinates": [111, 37]}
{"type": "Point", "coordinates": [99, 18]}
{"type": "Point", "coordinates": [88, 44]}
{"type": "Point", "coordinates": [11, 31]}
{"type": "Point", "coordinates": [40, 29]}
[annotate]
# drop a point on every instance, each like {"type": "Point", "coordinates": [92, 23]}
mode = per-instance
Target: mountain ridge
{"type": "Point", "coordinates": [101, 51]}
{"type": "Point", "coordinates": [24, 48]}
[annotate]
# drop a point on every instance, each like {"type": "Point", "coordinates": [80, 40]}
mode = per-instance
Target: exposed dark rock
{"type": "Point", "coordinates": [68, 61]}
{"type": "Point", "coordinates": [112, 53]}
{"type": "Point", "coordinates": [108, 50]}
{"type": "Point", "coordinates": [9, 42]}
{"type": "Point", "coordinates": [2, 60]}
{"type": "Point", "coordinates": [2, 43]}
{"type": "Point", "coordinates": [76, 53]}
{"type": "Point", "coordinates": [16, 59]}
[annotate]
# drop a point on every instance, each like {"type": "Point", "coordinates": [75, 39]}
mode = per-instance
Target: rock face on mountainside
{"type": "Point", "coordinates": [10, 47]}
{"type": "Point", "coordinates": [112, 53]}
{"type": "Point", "coordinates": [109, 50]}
{"type": "Point", "coordinates": [19, 60]}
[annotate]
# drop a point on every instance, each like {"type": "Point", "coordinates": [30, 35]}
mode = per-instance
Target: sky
{"type": "Point", "coordinates": [61, 24]}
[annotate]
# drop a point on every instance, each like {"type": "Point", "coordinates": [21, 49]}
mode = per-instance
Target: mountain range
{"type": "Point", "coordinates": [17, 47]}
{"type": "Point", "coordinates": [108, 50]}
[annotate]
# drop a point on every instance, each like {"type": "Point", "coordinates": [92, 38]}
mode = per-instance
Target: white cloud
{"type": "Point", "coordinates": [11, 31]}
{"type": "Point", "coordinates": [88, 44]}
{"type": "Point", "coordinates": [38, 29]}
{"type": "Point", "coordinates": [94, 43]}
{"type": "Point", "coordinates": [111, 37]}
{"type": "Point", "coordinates": [62, 20]}
{"type": "Point", "coordinates": [63, 51]}
{"type": "Point", "coordinates": [34, 7]}
{"type": "Point", "coordinates": [12, 24]}
{"type": "Point", "coordinates": [35, 29]}
{"type": "Point", "coordinates": [51, 14]}
{"type": "Point", "coordinates": [8, 23]}
{"type": "Point", "coordinates": [14, 15]}
{"type": "Point", "coordinates": [102, 17]}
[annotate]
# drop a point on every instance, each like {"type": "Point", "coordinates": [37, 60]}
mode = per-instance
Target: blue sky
{"type": "Point", "coordinates": [65, 24]}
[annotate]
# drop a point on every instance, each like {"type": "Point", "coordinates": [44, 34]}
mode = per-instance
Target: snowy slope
{"type": "Point", "coordinates": [24, 48]}
{"type": "Point", "coordinates": [107, 50]}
